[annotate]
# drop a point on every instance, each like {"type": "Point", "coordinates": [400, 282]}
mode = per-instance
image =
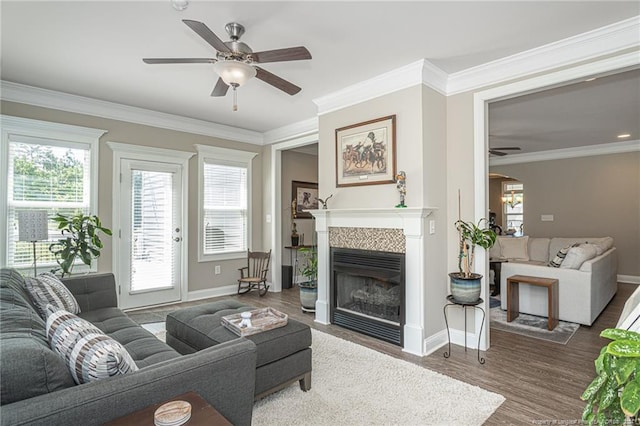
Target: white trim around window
{"type": "Point", "coordinates": [18, 129]}
{"type": "Point", "coordinates": [229, 157]}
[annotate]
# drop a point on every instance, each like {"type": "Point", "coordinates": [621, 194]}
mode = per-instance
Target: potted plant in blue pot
{"type": "Point", "coordinates": [309, 288]}
{"type": "Point", "coordinates": [465, 285]}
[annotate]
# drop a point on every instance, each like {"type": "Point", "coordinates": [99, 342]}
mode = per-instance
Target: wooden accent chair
{"type": "Point", "coordinates": [254, 275]}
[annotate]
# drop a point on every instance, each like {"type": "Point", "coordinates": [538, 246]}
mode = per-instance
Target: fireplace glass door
{"type": "Point", "coordinates": [367, 292]}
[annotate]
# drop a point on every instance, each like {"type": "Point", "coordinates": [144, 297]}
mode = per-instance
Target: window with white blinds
{"type": "Point", "coordinates": [224, 203]}
{"type": "Point", "coordinates": [53, 174]}
{"type": "Point", "coordinates": [152, 213]}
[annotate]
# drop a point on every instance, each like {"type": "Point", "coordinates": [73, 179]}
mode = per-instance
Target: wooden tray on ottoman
{"type": "Point", "coordinates": [262, 319]}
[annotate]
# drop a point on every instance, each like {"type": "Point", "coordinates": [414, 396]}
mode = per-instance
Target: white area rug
{"type": "Point", "coordinates": [354, 385]}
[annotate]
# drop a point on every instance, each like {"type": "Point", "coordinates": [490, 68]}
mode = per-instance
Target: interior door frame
{"type": "Point", "coordinates": [481, 100]}
{"type": "Point", "coordinates": [161, 155]}
{"type": "Point", "coordinates": [276, 202]}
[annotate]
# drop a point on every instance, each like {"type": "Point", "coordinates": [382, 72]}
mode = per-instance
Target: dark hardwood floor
{"type": "Point", "coordinates": [541, 381]}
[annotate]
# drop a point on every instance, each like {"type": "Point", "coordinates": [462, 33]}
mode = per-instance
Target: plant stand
{"type": "Point", "coordinates": [474, 305]}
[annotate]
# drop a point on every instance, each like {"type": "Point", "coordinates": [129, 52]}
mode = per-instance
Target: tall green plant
{"type": "Point", "coordinates": [310, 269]}
{"type": "Point", "coordinates": [615, 392]}
{"type": "Point", "coordinates": [80, 240]}
{"type": "Point", "coordinates": [470, 236]}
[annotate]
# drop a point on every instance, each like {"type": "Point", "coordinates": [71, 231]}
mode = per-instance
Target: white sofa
{"type": "Point", "coordinates": [587, 277]}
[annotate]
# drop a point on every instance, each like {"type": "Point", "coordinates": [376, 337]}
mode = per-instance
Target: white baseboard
{"type": "Point", "coordinates": [212, 292]}
{"type": "Point", "coordinates": [630, 279]}
{"type": "Point", "coordinates": [227, 290]}
{"type": "Point", "coordinates": [457, 338]}
{"type": "Point", "coordinates": [435, 342]}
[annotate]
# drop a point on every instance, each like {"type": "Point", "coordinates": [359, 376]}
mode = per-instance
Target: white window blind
{"type": "Point", "coordinates": [45, 175]}
{"type": "Point", "coordinates": [224, 213]}
{"type": "Point", "coordinates": [153, 203]}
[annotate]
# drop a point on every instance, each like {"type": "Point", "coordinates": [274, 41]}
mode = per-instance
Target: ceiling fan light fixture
{"type": "Point", "coordinates": [234, 73]}
{"type": "Point", "coordinates": [180, 5]}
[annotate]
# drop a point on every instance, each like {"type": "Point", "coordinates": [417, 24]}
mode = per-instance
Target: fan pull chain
{"type": "Point", "coordinates": [235, 97]}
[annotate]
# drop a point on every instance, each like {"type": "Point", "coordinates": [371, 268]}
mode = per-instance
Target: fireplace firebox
{"type": "Point", "coordinates": [367, 292]}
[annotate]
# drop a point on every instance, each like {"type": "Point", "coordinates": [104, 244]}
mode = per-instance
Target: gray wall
{"type": "Point", "coordinates": [201, 275]}
{"type": "Point", "coordinates": [588, 197]}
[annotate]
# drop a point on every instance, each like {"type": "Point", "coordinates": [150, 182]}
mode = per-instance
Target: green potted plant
{"type": "Point", "coordinates": [614, 394]}
{"type": "Point", "coordinates": [465, 285]}
{"type": "Point", "coordinates": [309, 288]}
{"type": "Point", "coordinates": [80, 240]}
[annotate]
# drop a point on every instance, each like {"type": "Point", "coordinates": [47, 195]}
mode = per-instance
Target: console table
{"type": "Point", "coordinates": [513, 296]}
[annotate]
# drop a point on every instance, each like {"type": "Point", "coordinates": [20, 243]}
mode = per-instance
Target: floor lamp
{"type": "Point", "coordinates": [33, 226]}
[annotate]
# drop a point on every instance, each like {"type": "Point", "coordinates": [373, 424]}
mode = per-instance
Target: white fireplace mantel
{"type": "Point", "coordinates": [412, 222]}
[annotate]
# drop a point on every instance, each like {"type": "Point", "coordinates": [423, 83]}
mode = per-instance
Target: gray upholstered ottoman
{"type": "Point", "coordinates": [284, 354]}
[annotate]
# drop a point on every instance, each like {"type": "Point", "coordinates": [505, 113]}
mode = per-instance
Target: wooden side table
{"type": "Point", "coordinates": [201, 413]}
{"type": "Point", "coordinates": [513, 296]}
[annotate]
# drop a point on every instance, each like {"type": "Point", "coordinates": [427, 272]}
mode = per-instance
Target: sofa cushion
{"type": "Point", "coordinates": [515, 248]}
{"type": "Point", "coordinates": [30, 368]}
{"type": "Point", "coordinates": [13, 290]}
{"type": "Point", "coordinates": [90, 354]}
{"type": "Point", "coordinates": [144, 347]}
{"type": "Point", "coordinates": [539, 249]}
{"type": "Point", "coordinates": [495, 252]}
{"type": "Point", "coordinates": [47, 289]}
{"type": "Point", "coordinates": [601, 244]}
{"type": "Point", "coordinates": [576, 256]}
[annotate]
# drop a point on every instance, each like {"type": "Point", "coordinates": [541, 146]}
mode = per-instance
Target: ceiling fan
{"type": "Point", "coordinates": [235, 62]}
{"type": "Point", "coordinates": [498, 151]}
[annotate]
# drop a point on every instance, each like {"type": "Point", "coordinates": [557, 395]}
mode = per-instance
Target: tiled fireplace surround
{"type": "Point", "coordinates": [395, 230]}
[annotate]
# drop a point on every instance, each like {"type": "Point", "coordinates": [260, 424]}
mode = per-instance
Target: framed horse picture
{"type": "Point", "coordinates": [366, 152]}
{"type": "Point", "coordinates": [305, 197]}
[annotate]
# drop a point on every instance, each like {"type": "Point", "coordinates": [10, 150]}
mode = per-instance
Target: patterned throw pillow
{"type": "Point", "coordinates": [47, 289]}
{"type": "Point", "coordinates": [562, 253]}
{"type": "Point", "coordinates": [90, 354]}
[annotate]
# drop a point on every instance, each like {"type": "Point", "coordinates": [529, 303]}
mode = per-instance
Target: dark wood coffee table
{"type": "Point", "coordinates": [201, 413]}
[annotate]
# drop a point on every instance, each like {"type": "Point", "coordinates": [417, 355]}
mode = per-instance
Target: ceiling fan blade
{"type": "Point", "coordinates": [277, 82]}
{"type": "Point", "coordinates": [220, 89]}
{"type": "Point", "coordinates": [203, 31]}
{"type": "Point", "coordinates": [509, 148]}
{"type": "Point", "coordinates": [179, 60]}
{"type": "Point", "coordinates": [498, 153]}
{"type": "Point", "coordinates": [278, 55]}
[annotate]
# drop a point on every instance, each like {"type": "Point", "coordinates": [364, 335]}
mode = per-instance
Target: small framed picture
{"type": "Point", "coordinates": [305, 195]}
{"type": "Point", "coordinates": [366, 152]}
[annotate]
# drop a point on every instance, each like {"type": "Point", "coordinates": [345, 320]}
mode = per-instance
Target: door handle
{"type": "Point", "coordinates": [177, 239]}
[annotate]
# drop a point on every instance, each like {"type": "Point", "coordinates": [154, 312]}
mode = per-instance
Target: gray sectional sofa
{"type": "Point", "coordinates": [37, 388]}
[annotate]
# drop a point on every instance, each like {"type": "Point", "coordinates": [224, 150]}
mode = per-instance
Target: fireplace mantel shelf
{"type": "Point", "coordinates": [375, 211]}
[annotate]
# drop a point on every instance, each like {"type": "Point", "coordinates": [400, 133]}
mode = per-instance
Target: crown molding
{"type": "Point", "coordinates": [20, 93]}
{"type": "Point", "coordinates": [290, 131]}
{"type": "Point", "coordinates": [582, 47]}
{"type": "Point", "coordinates": [561, 154]}
{"type": "Point", "coordinates": [419, 72]}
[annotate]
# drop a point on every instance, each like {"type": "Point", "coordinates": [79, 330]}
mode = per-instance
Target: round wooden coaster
{"type": "Point", "coordinates": [172, 413]}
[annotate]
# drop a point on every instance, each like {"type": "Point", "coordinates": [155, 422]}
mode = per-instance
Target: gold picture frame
{"type": "Point", "coordinates": [366, 153]}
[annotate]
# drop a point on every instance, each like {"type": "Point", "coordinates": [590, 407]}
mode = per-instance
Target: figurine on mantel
{"type": "Point", "coordinates": [324, 202]}
{"type": "Point", "coordinates": [401, 184]}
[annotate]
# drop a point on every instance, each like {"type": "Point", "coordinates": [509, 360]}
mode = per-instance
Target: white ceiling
{"type": "Point", "coordinates": [577, 115]}
{"type": "Point", "coordinates": [95, 49]}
